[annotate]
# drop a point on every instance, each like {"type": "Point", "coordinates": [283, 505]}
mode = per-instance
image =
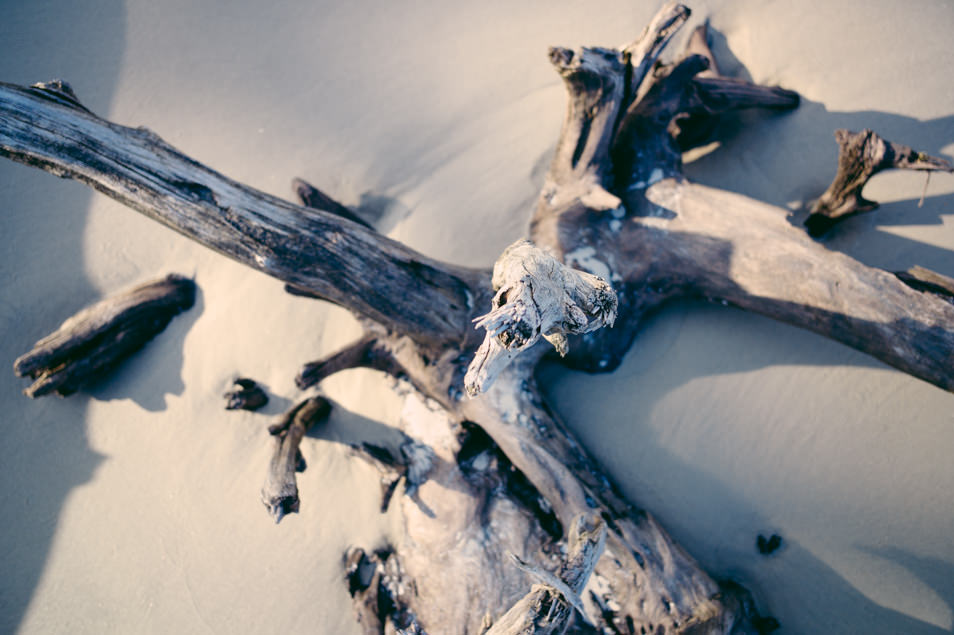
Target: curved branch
{"type": "Point", "coordinates": [280, 491]}
{"type": "Point", "coordinates": [310, 249]}
{"type": "Point", "coordinates": [861, 155]}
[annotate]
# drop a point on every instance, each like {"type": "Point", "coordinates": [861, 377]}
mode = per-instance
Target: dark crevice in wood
{"type": "Point", "coordinates": [929, 281]}
{"type": "Point", "coordinates": [91, 343]}
{"type": "Point", "coordinates": [381, 591]}
{"type": "Point", "coordinates": [477, 449]}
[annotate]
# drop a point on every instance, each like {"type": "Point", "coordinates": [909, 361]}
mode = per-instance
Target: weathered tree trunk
{"type": "Point", "coordinates": [617, 231]}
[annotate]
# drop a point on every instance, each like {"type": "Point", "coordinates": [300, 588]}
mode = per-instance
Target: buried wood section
{"type": "Point", "coordinates": [93, 342]}
{"type": "Point", "coordinates": [626, 232]}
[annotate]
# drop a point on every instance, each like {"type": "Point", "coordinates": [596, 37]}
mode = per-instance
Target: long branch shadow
{"type": "Point", "coordinates": [717, 522]}
{"type": "Point", "coordinates": [44, 453]}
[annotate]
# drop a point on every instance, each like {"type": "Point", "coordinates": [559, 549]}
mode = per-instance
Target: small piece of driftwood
{"type": "Point", "coordinates": [245, 395]}
{"type": "Point", "coordinates": [90, 344]}
{"type": "Point", "coordinates": [280, 492]}
{"type": "Point", "coordinates": [550, 604]}
{"type": "Point", "coordinates": [861, 155]}
{"type": "Point", "coordinates": [615, 204]}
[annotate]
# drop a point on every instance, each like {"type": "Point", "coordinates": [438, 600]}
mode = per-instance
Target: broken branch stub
{"type": "Point", "coordinates": [280, 492]}
{"type": "Point", "coordinates": [94, 341]}
{"type": "Point", "coordinates": [536, 296]}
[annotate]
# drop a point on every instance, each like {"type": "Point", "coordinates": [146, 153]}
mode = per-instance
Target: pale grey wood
{"type": "Point", "coordinates": [548, 607]}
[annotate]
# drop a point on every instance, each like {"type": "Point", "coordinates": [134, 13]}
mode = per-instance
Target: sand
{"type": "Point", "coordinates": [134, 509]}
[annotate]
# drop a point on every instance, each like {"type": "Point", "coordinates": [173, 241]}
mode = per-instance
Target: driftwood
{"type": "Point", "coordinates": [246, 395]}
{"type": "Point", "coordinates": [280, 492]}
{"type": "Point", "coordinates": [497, 473]}
{"type": "Point", "coordinates": [91, 343]}
{"type": "Point", "coordinates": [549, 606]}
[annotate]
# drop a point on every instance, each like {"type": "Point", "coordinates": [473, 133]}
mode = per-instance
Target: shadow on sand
{"type": "Point", "coordinates": [44, 453]}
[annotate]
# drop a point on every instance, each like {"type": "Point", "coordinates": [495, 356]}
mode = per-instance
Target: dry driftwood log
{"type": "Point", "coordinates": [91, 343]}
{"type": "Point", "coordinates": [617, 231]}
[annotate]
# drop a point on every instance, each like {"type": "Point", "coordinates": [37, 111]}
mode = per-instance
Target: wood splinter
{"type": "Point", "coordinates": [94, 341]}
{"type": "Point", "coordinates": [536, 296]}
{"type": "Point", "coordinates": [280, 492]}
{"type": "Point", "coordinates": [861, 155]}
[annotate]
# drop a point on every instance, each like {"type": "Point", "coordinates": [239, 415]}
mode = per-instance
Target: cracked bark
{"type": "Point", "coordinates": [614, 206]}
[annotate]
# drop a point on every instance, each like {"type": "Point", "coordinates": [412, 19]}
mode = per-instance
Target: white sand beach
{"type": "Point", "coordinates": [134, 508]}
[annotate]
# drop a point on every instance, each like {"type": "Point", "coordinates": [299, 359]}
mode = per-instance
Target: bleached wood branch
{"type": "Point", "coordinates": [549, 605]}
{"type": "Point", "coordinates": [536, 296]}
